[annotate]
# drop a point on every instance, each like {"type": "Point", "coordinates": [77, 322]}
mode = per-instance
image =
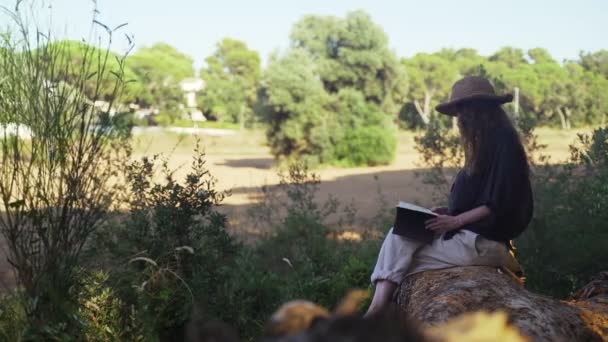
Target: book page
{"type": "Point", "coordinates": [414, 207]}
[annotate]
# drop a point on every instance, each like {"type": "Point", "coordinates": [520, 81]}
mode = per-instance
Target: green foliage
{"type": "Point", "coordinates": [56, 186]}
{"type": "Point", "coordinates": [366, 146]}
{"type": "Point", "coordinates": [441, 153]}
{"type": "Point", "coordinates": [163, 120]}
{"type": "Point", "coordinates": [338, 77]}
{"type": "Point", "coordinates": [301, 256]}
{"type": "Point", "coordinates": [13, 317]}
{"type": "Point", "coordinates": [512, 57]}
{"type": "Point", "coordinates": [570, 95]}
{"type": "Point", "coordinates": [430, 77]}
{"type": "Point", "coordinates": [232, 75]}
{"type": "Point", "coordinates": [566, 244]}
{"type": "Point", "coordinates": [596, 62]}
{"type": "Point", "coordinates": [352, 53]}
{"type": "Point", "coordinates": [101, 67]}
{"type": "Point", "coordinates": [122, 123]}
{"type": "Point", "coordinates": [172, 252]}
{"type": "Point", "coordinates": [297, 118]}
{"type": "Point", "coordinates": [540, 55]}
{"type": "Point", "coordinates": [170, 259]}
{"type": "Point", "coordinates": [160, 68]}
{"type": "Point", "coordinates": [99, 309]}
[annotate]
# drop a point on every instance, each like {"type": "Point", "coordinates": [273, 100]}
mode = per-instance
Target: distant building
{"type": "Point", "coordinates": [191, 86]}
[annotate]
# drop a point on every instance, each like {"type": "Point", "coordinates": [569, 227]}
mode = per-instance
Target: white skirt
{"type": "Point", "coordinates": [400, 256]}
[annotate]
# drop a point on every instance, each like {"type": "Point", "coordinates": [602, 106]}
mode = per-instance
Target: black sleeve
{"type": "Point", "coordinates": [503, 187]}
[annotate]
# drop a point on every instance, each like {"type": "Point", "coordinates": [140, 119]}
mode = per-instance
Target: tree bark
{"type": "Point", "coordinates": [425, 110]}
{"type": "Point", "coordinates": [568, 115]}
{"type": "Point", "coordinates": [433, 297]}
{"type": "Point", "coordinates": [421, 112]}
{"type": "Point", "coordinates": [564, 116]}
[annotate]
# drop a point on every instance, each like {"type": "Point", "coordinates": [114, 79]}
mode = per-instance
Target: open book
{"type": "Point", "coordinates": [409, 222]}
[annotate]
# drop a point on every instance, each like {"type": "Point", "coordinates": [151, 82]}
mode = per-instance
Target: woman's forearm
{"type": "Point", "coordinates": [473, 215]}
{"type": "Point", "coordinates": [445, 223]}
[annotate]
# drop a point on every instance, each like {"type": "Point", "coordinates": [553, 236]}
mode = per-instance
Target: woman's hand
{"type": "Point", "coordinates": [440, 210]}
{"type": "Point", "coordinates": [443, 223]}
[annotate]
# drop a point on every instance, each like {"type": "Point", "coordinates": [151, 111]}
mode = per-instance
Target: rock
{"type": "Point", "coordinates": [434, 297]}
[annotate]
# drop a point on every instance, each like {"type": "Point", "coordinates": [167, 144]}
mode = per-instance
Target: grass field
{"type": "Point", "coordinates": [242, 163]}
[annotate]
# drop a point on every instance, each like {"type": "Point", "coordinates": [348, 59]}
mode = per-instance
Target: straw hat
{"type": "Point", "coordinates": [471, 88]}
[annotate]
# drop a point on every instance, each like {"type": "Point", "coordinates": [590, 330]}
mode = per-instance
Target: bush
{"type": "Point", "coordinates": [13, 318]}
{"type": "Point", "coordinates": [171, 252]}
{"type": "Point", "coordinates": [299, 257]}
{"type": "Point", "coordinates": [366, 146]}
{"type": "Point", "coordinates": [163, 120]}
{"type": "Point", "coordinates": [565, 244]}
{"type": "Point", "coordinates": [58, 185]}
{"type": "Point", "coordinates": [441, 152]}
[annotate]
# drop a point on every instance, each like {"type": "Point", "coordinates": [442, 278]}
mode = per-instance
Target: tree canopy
{"type": "Point", "coordinates": [160, 68]}
{"type": "Point", "coordinates": [337, 87]}
{"type": "Point", "coordinates": [231, 75]}
{"type": "Point", "coordinates": [103, 67]}
{"type": "Point", "coordinates": [352, 53]}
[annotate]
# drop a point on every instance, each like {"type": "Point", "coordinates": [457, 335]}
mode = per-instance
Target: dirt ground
{"type": "Point", "coordinates": [243, 164]}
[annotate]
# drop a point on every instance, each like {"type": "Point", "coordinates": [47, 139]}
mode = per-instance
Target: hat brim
{"type": "Point", "coordinates": [451, 107]}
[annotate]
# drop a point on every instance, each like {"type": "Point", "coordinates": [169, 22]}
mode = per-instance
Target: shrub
{"type": "Point", "coordinates": [163, 120]}
{"type": "Point", "coordinates": [441, 152]}
{"type": "Point", "coordinates": [565, 245]}
{"type": "Point", "coordinates": [299, 258]}
{"type": "Point", "coordinates": [171, 252]}
{"type": "Point", "coordinates": [366, 146]}
{"type": "Point", "coordinates": [99, 309]}
{"type": "Point", "coordinates": [13, 318]}
{"type": "Point", "coordinates": [56, 186]}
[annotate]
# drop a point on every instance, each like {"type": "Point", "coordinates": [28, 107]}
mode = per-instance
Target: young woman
{"type": "Point", "coordinates": [490, 202]}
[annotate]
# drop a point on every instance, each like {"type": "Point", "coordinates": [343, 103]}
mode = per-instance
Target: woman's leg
{"type": "Point", "coordinates": [382, 296]}
{"type": "Point", "coordinates": [394, 260]}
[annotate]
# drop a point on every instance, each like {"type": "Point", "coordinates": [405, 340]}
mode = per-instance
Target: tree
{"type": "Point", "coordinates": [102, 68]}
{"type": "Point", "coordinates": [596, 62]}
{"type": "Point", "coordinates": [430, 78]}
{"type": "Point", "coordinates": [338, 87]}
{"type": "Point", "coordinates": [540, 55]}
{"type": "Point", "coordinates": [298, 122]}
{"type": "Point", "coordinates": [363, 135]}
{"type": "Point", "coordinates": [466, 60]}
{"type": "Point", "coordinates": [160, 68]}
{"type": "Point", "coordinates": [510, 56]}
{"type": "Point", "coordinates": [232, 75]}
{"type": "Point", "coordinates": [353, 53]}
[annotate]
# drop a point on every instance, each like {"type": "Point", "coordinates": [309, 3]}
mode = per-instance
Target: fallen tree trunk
{"type": "Point", "coordinates": [434, 297]}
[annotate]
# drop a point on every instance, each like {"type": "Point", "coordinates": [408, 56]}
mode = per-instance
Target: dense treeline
{"type": "Point", "coordinates": [340, 88]}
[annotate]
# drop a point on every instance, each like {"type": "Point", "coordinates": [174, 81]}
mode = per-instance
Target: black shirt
{"type": "Point", "coordinates": [503, 185]}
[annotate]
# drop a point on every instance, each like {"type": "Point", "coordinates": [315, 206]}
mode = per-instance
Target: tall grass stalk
{"type": "Point", "coordinates": [57, 184]}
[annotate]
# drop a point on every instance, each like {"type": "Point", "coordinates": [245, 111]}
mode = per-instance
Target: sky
{"type": "Point", "coordinates": [563, 27]}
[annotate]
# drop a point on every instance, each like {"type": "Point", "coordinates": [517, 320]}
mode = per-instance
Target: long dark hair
{"type": "Point", "coordinates": [478, 123]}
